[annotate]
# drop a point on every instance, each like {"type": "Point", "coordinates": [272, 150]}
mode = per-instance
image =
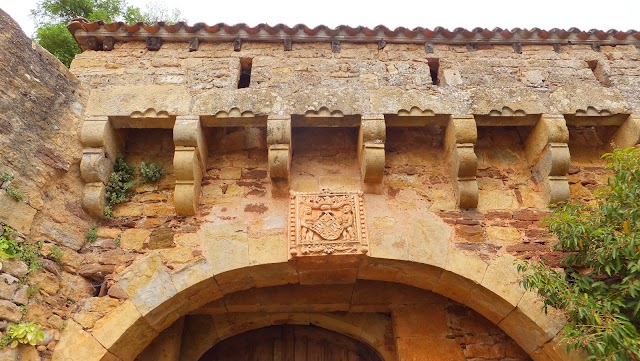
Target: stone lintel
{"type": "Point", "coordinates": [371, 151]}
{"type": "Point", "coordinates": [461, 136]}
{"type": "Point", "coordinates": [548, 154]}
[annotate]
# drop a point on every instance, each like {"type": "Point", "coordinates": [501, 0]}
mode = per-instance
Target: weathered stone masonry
{"type": "Point", "coordinates": [375, 183]}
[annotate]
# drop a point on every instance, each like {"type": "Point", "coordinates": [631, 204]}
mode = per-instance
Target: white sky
{"type": "Point", "coordinates": [546, 14]}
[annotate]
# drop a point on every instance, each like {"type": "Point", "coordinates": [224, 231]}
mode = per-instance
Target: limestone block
{"type": "Point", "coordinates": [16, 214]}
{"type": "Point", "coordinates": [78, 345]}
{"type": "Point", "coordinates": [124, 331]}
{"type": "Point", "coordinates": [371, 152]}
{"type": "Point", "coordinates": [166, 347]}
{"type": "Point", "coordinates": [196, 284]}
{"type": "Point", "coordinates": [466, 265]}
{"type": "Point", "coordinates": [529, 325]}
{"type": "Point", "coordinates": [202, 336]}
{"type": "Point", "coordinates": [94, 166]}
{"type": "Point", "coordinates": [556, 350]}
{"type": "Point", "coordinates": [123, 100]}
{"type": "Point", "coordinates": [9, 312]}
{"type": "Point", "coordinates": [551, 170]}
{"type": "Point", "coordinates": [628, 134]}
{"type": "Point", "coordinates": [188, 169]}
{"type": "Point", "coordinates": [279, 159]}
{"type": "Point", "coordinates": [188, 132]}
{"type": "Point", "coordinates": [98, 132]}
{"type": "Point", "coordinates": [279, 151]}
{"type": "Point", "coordinates": [502, 279]}
{"type": "Point", "coordinates": [148, 285]}
{"type": "Point", "coordinates": [451, 77]}
{"type": "Point", "coordinates": [549, 129]}
{"type": "Point", "coordinates": [470, 293]}
{"type": "Point", "coordinates": [93, 198]}
{"type": "Point", "coordinates": [460, 137]}
{"type": "Point", "coordinates": [279, 130]}
{"type": "Point", "coordinates": [274, 274]}
{"type": "Point", "coordinates": [548, 154]}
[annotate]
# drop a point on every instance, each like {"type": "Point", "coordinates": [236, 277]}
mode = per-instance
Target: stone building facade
{"type": "Point", "coordinates": [348, 193]}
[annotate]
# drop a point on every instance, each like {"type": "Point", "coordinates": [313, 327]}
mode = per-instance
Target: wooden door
{"type": "Point", "coordinates": [290, 343]}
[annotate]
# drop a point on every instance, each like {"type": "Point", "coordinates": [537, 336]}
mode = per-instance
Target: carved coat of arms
{"type": "Point", "coordinates": [327, 223]}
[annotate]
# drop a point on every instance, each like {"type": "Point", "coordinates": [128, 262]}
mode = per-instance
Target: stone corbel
{"type": "Point", "coordinates": [371, 154]}
{"type": "Point", "coordinates": [102, 145]}
{"type": "Point", "coordinates": [189, 163]}
{"type": "Point", "coordinates": [460, 139]}
{"type": "Point", "coordinates": [279, 142]}
{"type": "Point", "coordinates": [548, 155]}
{"type": "Point", "coordinates": [628, 134]}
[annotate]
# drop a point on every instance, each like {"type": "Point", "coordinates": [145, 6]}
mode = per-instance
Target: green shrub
{"type": "Point", "coordinates": [32, 290]}
{"type": "Point", "coordinates": [5, 176]}
{"type": "Point", "coordinates": [92, 235]}
{"type": "Point", "coordinates": [8, 246]}
{"type": "Point", "coordinates": [56, 254]}
{"type": "Point", "coordinates": [14, 193]}
{"type": "Point", "coordinates": [120, 185]}
{"type": "Point", "coordinates": [151, 172]}
{"type": "Point", "coordinates": [27, 333]}
{"type": "Point", "coordinates": [599, 288]}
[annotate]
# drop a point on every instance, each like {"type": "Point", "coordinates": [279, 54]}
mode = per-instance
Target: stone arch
{"type": "Point", "coordinates": [341, 324]}
{"type": "Point", "coordinates": [157, 297]}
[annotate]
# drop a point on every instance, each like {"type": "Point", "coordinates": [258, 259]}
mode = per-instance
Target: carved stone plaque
{"type": "Point", "coordinates": [327, 223]}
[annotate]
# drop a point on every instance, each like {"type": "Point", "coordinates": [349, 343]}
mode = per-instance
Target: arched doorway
{"type": "Point", "coordinates": [291, 343]}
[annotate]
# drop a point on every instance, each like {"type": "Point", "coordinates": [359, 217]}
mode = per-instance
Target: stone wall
{"type": "Point", "coordinates": [40, 115]}
{"type": "Point", "coordinates": [361, 79]}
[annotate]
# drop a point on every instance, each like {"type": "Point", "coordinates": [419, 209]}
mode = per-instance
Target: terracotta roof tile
{"type": "Point", "coordinates": [180, 32]}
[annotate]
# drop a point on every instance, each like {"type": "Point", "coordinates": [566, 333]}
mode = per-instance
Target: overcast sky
{"type": "Point", "coordinates": [546, 14]}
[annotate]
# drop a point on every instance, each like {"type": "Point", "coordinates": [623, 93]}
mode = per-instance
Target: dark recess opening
{"type": "Point", "coordinates": [434, 66]}
{"type": "Point", "coordinates": [245, 73]}
{"type": "Point", "coordinates": [598, 72]}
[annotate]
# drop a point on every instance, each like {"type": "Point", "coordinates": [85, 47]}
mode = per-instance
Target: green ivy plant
{"type": "Point", "coordinates": [27, 333]}
{"type": "Point", "coordinates": [120, 185]}
{"type": "Point", "coordinates": [599, 288]}
{"type": "Point", "coordinates": [151, 172]}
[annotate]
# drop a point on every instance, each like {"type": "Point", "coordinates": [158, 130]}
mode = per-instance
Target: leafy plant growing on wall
{"type": "Point", "coordinates": [28, 253]}
{"type": "Point", "coordinates": [27, 333]}
{"type": "Point", "coordinates": [599, 288]}
{"type": "Point", "coordinates": [8, 246]}
{"type": "Point", "coordinates": [120, 185]}
{"type": "Point", "coordinates": [151, 172]}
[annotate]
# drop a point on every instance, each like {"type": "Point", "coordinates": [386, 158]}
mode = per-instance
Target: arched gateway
{"type": "Point", "coordinates": [376, 184]}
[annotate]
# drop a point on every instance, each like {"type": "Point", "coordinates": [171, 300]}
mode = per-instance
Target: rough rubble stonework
{"type": "Point", "coordinates": [451, 145]}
